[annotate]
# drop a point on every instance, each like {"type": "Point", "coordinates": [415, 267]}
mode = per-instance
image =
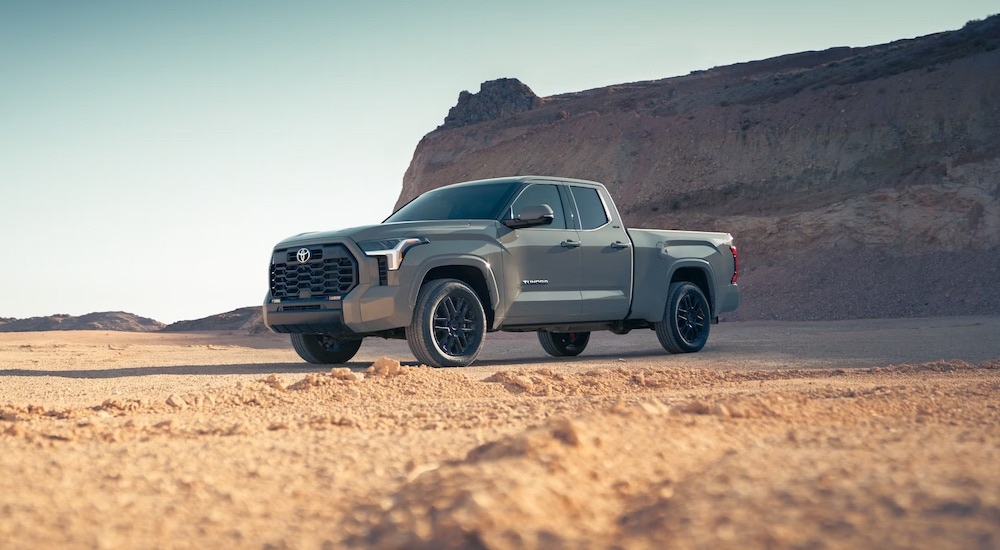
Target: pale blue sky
{"type": "Point", "coordinates": [152, 153]}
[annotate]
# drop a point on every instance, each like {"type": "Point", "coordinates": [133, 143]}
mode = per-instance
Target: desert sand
{"type": "Point", "coordinates": [875, 433]}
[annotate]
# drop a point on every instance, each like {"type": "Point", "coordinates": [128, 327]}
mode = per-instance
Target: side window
{"type": "Point", "coordinates": [588, 202]}
{"type": "Point", "coordinates": [540, 194]}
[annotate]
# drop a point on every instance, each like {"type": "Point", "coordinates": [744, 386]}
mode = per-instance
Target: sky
{"type": "Point", "coordinates": [153, 152]}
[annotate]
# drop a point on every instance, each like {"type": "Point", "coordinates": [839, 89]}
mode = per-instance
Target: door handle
{"type": "Point", "coordinates": [619, 245]}
{"type": "Point", "coordinates": [570, 244]}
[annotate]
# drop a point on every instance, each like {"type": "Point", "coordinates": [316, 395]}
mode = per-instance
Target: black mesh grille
{"type": "Point", "coordinates": [308, 307]}
{"type": "Point", "coordinates": [330, 271]}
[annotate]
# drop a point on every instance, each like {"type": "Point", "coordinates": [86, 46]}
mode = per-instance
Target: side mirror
{"type": "Point", "coordinates": [531, 216]}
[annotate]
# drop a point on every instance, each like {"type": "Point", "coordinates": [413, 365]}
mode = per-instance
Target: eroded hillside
{"type": "Point", "coordinates": [859, 182]}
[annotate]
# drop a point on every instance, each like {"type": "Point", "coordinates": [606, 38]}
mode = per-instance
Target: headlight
{"type": "Point", "coordinates": [392, 249]}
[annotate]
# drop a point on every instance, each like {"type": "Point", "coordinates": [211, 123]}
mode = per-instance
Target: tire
{"type": "Point", "coordinates": [687, 319]}
{"type": "Point", "coordinates": [449, 324]}
{"type": "Point", "coordinates": [324, 350]}
{"type": "Point", "coordinates": [563, 344]}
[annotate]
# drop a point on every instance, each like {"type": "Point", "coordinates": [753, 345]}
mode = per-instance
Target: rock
{"type": "Point", "coordinates": [346, 374]}
{"type": "Point", "coordinates": [274, 382]}
{"type": "Point", "coordinates": [653, 408]}
{"type": "Point", "coordinates": [696, 407]}
{"type": "Point", "coordinates": [719, 409]}
{"type": "Point", "coordinates": [177, 402]}
{"type": "Point", "coordinates": [385, 366]}
{"type": "Point", "coordinates": [497, 99]}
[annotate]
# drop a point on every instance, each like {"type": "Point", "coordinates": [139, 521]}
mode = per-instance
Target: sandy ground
{"type": "Point", "coordinates": [879, 433]}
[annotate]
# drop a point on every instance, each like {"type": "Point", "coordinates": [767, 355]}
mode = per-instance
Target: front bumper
{"type": "Point", "coordinates": [301, 318]}
{"type": "Point", "coordinates": [366, 309]}
{"type": "Point", "coordinates": [375, 305]}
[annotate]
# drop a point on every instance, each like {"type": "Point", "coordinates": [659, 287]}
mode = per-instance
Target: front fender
{"type": "Point", "coordinates": [463, 260]}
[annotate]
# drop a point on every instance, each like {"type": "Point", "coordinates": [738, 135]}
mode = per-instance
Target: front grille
{"type": "Point", "coordinates": [309, 307]}
{"type": "Point", "coordinates": [330, 271]}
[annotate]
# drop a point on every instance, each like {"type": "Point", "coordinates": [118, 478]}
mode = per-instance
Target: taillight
{"type": "Point", "coordinates": [736, 264]}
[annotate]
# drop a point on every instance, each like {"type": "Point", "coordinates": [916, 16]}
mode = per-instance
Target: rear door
{"type": "Point", "coordinates": [606, 256]}
{"type": "Point", "coordinates": [542, 267]}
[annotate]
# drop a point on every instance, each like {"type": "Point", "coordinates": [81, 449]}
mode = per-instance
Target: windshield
{"type": "Point", "coordinates": [460, 202]}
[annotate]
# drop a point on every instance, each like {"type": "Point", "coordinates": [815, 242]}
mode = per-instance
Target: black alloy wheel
{"type": "Point", "coordinates": [686, 320]}
{"type": "Point", "coordinates": [449, 324]}
{"type": "Point", "coordinates": [455, 327]}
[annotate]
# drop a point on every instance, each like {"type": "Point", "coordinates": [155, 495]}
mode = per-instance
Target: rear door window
{"type": "Point", "coordinates": [591, 207]}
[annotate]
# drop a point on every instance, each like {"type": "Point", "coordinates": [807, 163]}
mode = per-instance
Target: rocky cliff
{"type": "Point", "coordinates": [859, 182]}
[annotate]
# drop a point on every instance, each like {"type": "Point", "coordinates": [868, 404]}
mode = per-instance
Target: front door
{"type": "Point", "coordinates": [542, 264]}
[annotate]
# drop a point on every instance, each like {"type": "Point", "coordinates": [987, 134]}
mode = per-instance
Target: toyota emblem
{"type": "Point", "coordinates": [303, 255]}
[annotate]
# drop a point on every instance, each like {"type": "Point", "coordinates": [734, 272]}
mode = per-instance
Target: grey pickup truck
{"type": "Point", "coordinates": [542, 254]}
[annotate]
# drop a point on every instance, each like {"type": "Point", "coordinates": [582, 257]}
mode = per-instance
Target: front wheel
{"type": "Point", "coordinates": [686, 319]}
{"type": "Point", "coordinates": [563, 344]}
{"type": "Point", "coordinates": [449, 324]}
{"type": "Point", "coordinates": [324, 350]}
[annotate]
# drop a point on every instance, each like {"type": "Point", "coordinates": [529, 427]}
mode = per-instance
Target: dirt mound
{"type": "Point", "coordinates": [524, 490]}
{"type": "Point", "coordinates": [109, 320]}
{"type": "Point", "coordinates": [245, 320]}
{"type": "Point", "coordinates": [382, 455]}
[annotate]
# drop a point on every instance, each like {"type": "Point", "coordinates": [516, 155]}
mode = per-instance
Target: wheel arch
{"type": "Point", "coordinates": [698, 273]}
{"type": "Point", "coordinates": [474, 272]}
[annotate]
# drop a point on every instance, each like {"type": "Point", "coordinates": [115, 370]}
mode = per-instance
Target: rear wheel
{"type": "Point", "coordinates": [449, 324]}
{"type": "Point", "coordinates": [686, 319]}
{"type": "Point", "coordinates": [324, 350]}
{"type": "Point", "coordinates": [563, 344]}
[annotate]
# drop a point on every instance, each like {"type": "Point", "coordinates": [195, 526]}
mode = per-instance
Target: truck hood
{"type": "Point", "coordinates": [387, 231]}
